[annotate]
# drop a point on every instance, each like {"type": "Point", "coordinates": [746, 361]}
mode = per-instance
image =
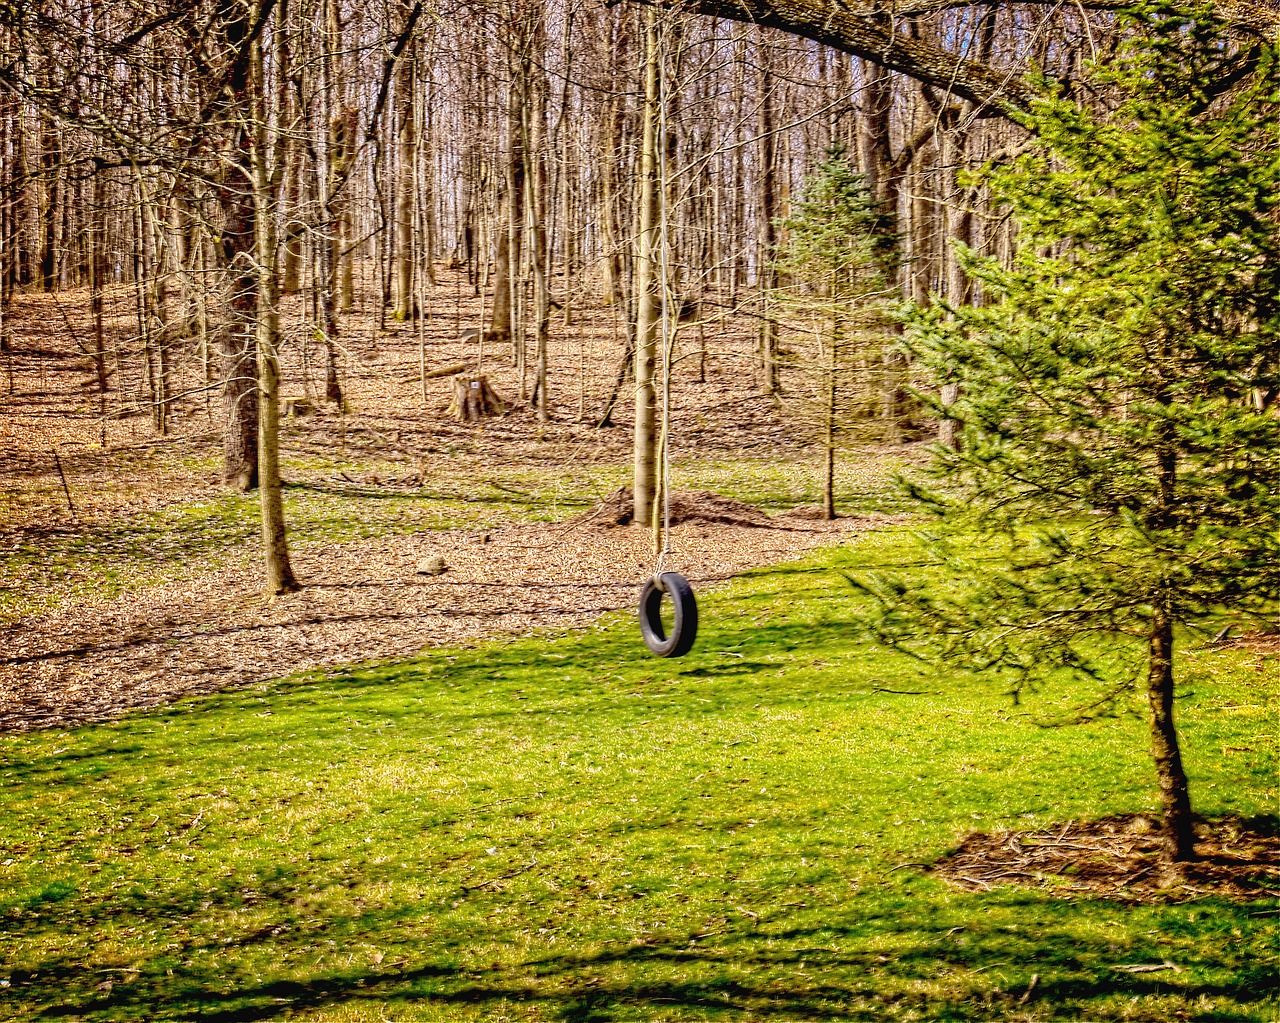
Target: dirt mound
{"type": "Point", "coordinates": [1118, 858]}
{"type": "Point", "coordinates": [686, 506]}
{"type": "Point", "coordinates": [807, 512]}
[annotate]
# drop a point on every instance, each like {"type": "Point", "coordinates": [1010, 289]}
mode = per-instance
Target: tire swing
{"type": "Point", "coordinates": [671, 585]}
{"type": "Point", "coordinates": [684, 627]}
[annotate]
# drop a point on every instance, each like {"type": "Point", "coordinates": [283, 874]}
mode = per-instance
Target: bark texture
{"type": "Point", "coordinates": [1175, 798]}
{"type": "Point", "coordinates": [238, 337]}
{"type": "Point", "coordinates": [648, 299]}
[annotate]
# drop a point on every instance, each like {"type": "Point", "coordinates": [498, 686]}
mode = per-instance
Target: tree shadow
{"type": "Point", "coordinates": [884, 955]}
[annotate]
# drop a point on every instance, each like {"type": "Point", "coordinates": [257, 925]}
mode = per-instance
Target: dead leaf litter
{"type": "Point", "coordinates": [1119, 858]}
{"type": "Point", "coordinates": [92, 660]}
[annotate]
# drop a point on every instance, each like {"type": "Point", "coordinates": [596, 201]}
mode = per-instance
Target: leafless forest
{"type": "Point", "coordinates": [420, 245]}
{"type": "Point", "coordinates": [354, 192]}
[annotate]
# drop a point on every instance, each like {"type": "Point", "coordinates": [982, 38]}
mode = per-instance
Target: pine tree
{"type": "Point", "coordinates": [834, 300]}
{"type": "Point", "coordinates": [1117, 484]}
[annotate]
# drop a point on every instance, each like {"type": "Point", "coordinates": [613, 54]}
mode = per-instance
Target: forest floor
{"type": "Point", "coordinates": [129, 574]}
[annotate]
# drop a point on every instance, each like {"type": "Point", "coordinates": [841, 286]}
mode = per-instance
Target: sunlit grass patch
{"type": "Point", "coordinates": [863, 480]}
{"type": "Point", "coordinates": [560, 827]}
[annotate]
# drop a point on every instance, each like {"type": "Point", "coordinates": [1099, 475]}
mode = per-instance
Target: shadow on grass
{"type": "Point", "coordinates": [741, 981]}
{"type": "Point", "coordinates": [594, 656]}
{"type": "Point", "coordinates": [234, 948]}
{"type": "Point", "coordinates": [885, 954]}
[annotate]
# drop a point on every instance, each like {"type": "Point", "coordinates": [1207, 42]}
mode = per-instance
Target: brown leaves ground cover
{"type": "Point", "coordinates": [683, 506]}
{"type": "Point", "coordinates": [114, 460]}
{"type": "Point", "coordinates": [96, 659]}
{"type": "Point", "coordinates": [1119, 858]}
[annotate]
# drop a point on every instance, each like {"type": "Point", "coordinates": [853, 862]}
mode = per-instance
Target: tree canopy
{"type": "Point", "coordinates": [886, 34]}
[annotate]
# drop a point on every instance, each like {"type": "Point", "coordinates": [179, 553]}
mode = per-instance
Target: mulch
{"type": "Point", "coordinates": [95, 659]}
{"type": "Point", "coordinates": [685, 506]}
{"type": "Point", "coordinates": [1118, 858]}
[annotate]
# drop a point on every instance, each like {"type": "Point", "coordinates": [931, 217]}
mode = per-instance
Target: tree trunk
{"type": "Point", "coordinates": [510, 238]}
{"type": "Point", "coordinates": [279, 573]}
{"type": "Point", "coordinates": [1175, 797]}
{"type": "Point", "coordinates": [97, 277]}
{"type": "Point", "coordinates": [51, 171]}
{"type": "Point", "coordinates": [648, 308]}
{"type": "Point", "coordinates": [612, 218]}
{"type": "Point", "coordinates": [405, 126]}
{"type": "Point", "coordinates": [949, 428]}
{"type": "Point", "coordinates": [240, 384]}
{"type": "Point", "coordinates": [331, 176]}
{"type": "Point", "coordinates": [342, 127]}
{"type": "Point", "coordinates": [768, 196]}
{"type": "Point", "coordinates": [294, 226]}
{"type": "Point", "coordinates": [426, 180]}
{"type": "Point", "coordinates": [238, 336]}
{"type": "Point", "coordinates": [829, 427]}
{"type": "Point", "coordinates": [534, 137]}
{"type": "Point", "coordinates": [500, 322]}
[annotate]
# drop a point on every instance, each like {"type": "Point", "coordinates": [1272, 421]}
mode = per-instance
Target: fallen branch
{"type": "Point", "coordinates": [453, 369]}
{"type": "Point", "coordinates": [1148, 967]}
{"type": "Point", "coordinates": [502, 877]}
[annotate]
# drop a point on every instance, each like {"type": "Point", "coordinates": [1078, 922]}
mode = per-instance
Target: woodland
{"type": "Point", "coordinates": [363, 365]}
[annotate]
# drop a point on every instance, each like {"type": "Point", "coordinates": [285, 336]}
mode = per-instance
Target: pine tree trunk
{"type": "Point", "coordinates": [1175, 798]}
{"type": "Point", "coordinates": [949, 428]}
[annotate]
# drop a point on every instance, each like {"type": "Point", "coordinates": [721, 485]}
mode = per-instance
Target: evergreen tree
{"type": "Point", "coordinates": [1117, 484]}
{"type": "Point", "coordinates": [833, 298]}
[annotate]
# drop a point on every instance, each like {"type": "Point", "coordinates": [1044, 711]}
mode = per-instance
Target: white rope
{"type": "Point", "coordinates": [668, 337]}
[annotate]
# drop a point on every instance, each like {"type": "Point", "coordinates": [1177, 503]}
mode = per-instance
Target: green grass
{"type": "Point", "coordinates": [562, 828]}
{"type": "Point", "coordinates": [863, 481]}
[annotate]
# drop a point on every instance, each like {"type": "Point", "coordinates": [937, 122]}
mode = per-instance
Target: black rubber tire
{"type": "Point", "coordinates": [684, 629]}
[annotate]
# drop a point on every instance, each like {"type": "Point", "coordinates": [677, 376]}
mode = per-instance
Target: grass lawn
{"type": "Point", "coordinates": [563, 828]}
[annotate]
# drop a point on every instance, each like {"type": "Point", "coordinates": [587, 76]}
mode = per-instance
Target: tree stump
{"type": "Point", "coordinates": [295, 405]}
{"type": "Point", "coordinates": [474, 398]}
